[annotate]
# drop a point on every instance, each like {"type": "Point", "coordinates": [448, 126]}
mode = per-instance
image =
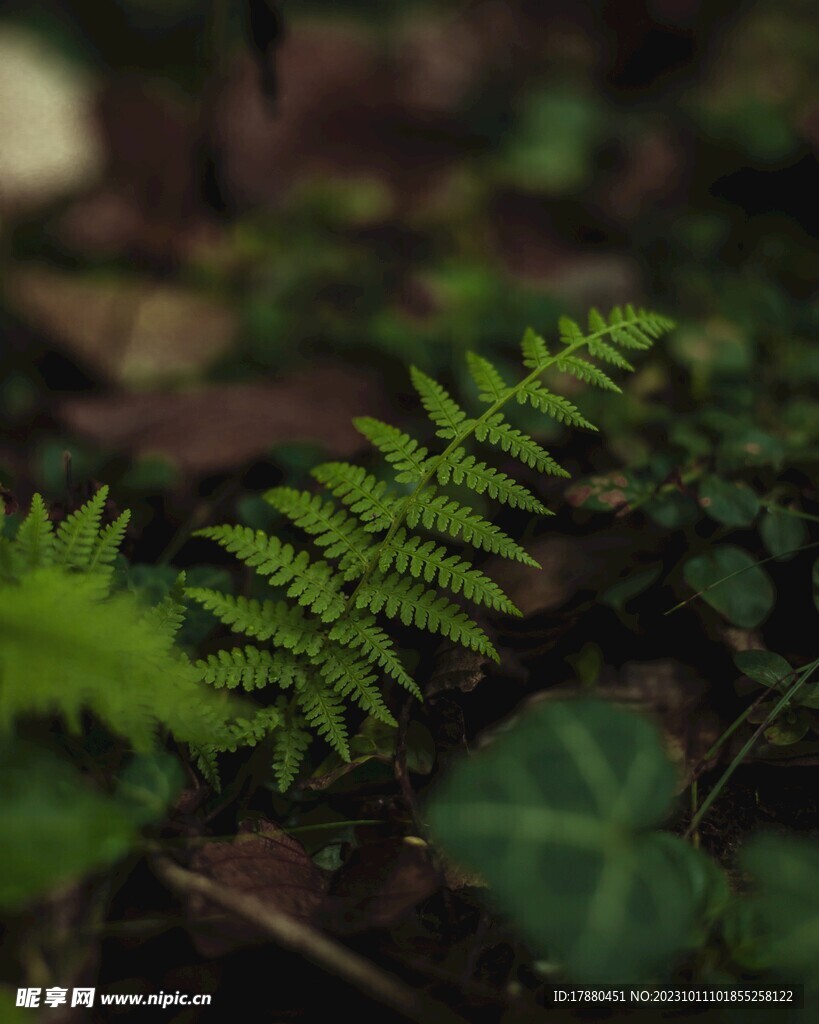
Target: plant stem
{"type": "Point", "coordinates": [300, 938]}
{"type": "Point", "coordinates": [740, 757]}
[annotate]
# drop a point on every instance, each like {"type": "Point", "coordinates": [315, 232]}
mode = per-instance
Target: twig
{"type": "Point", "coordinates": [314, 946]}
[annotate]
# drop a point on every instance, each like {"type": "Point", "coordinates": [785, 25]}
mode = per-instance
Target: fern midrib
{"type": "Point", "coordinates": [466, 433]}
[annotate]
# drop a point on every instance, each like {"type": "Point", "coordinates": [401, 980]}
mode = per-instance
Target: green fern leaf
{"type": "Point", "coordinates": [64, 651]}
{"type": "Point", "coordinates": [535, 353]}
{"type": "Point", "coordinates": [518, 444]}
{"type": "Point", "coordinates": [491, 386]}
{"type": "Point", "coordinates": [285, 624]}
{"type": "Point", "coordinates": [331, 528]}
{"type": "Point", "coordinates": [444, 412]}
{"type": "Point", "coordinates": [251, 668]}
{"type": "Point", "coordinates": [107, 545]}
{"type": "Point", "coordinates": [34, 542]}
{"type": "Point", "coordinates": [609, 354]}
{"type": "Point", "coordinates": [362, 631]}
{"type": "Point", "coordinates": [313, 584]}
{"type": "Point", "coordinates": [78, 534]}
{"type": "Point", "coordinates": [410, 553]}
{"type": "Point", "coordinates": [323, 711]}
{"type": "Point", "coordinates": [370, 499]}
{"type": "Point", "coordinates": [407, 457]}
{"type": "Point", "coordinates": [411, 603]}
{"type": "Point", "coordinates": [350, 676]}
{"type": "Point", "coordinates": [559, 408]}
{"type": "Point", "coordinates": [479, 477]}
{"type": "Point", "coordinates": [583, 370]}
{"type": "Point", "coordinates": [290, 744]}
{"type": "Point", "coordinates": [445, 514]}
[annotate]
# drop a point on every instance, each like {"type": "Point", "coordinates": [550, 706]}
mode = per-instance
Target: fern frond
{"type": "Point", "coordinates": [362, 631]}
{"type": "Point", "coordinates": [34, 542]}
{"type": "Point", "coordinates": [350, 676]}
{"type": "Point", "coordinates": [107, 545]}
{"type": "Point", "coordinates": [285, 624]}
{"type": "Point", "coordinates": [411, 603]}
{"type": "Point", "coordinates": [323, 711]}
{"type": "Point", "coordinates": [425, 558]}
{"type": "Point", "coordinates": [290, 744]}
{"type": "Point", "coordinates": [313, 584]}
{"type": "Point", "coordinates": [370, 499]}
{"type": "Point", "coordinates": [77, 535]}
{"type": "Point", "coordinates": [518, 444]}
{"type": "Point", "coordinates": [251, 668]}
{"type": "Point", "coordinates": [491, 386]}
{"type": "Point", "coordinates": [248, 732]}
{"type": "Point", "coordinates": [583, 370]}
{"type": "Point", "coordinates": [442, 409]}
{"type": "Point", "coordinates": [445, 514]}
{"type": "Point", "coordinates": [535, 353]}
{"type": "Point", "coordinates": [559, 408]}
{"type": "Point", "coordinates": [64, 651]}
{"type": "Point", "coordinates": [403, 452]}
{"type": "Point", "coordinates": [398, 573]}
{"type": "Point", "coordinates": [331, 528]}
{"type": "Point", "coordinates": [480, 477]}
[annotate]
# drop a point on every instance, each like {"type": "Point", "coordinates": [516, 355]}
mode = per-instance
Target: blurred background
{"type": "Point", "coordinates": [227, 227]}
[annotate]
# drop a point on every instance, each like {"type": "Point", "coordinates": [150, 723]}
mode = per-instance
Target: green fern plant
{"type": "Point", "coordinates": [323, 642]}
{"type": "Point", "coordinates": [71, 643]}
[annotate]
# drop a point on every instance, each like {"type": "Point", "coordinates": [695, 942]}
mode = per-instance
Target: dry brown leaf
{"type": "Point", "coordinates": [266, 863]}
{"type": "Point", "coordinates": [131, 332]}
{"type": "Point", "coordinates": [379, 883]}
{"type": "Point", "coordinates": [212, 429]}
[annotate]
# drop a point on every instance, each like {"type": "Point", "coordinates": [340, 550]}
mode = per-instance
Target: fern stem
{"type": "Point", "coordinates": [460, 439]}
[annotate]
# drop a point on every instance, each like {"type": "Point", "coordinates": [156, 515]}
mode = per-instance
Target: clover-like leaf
{"type": "Point", "coordinates": [557, 815]}
{"type": "Point", "coordinates": [785, 904]}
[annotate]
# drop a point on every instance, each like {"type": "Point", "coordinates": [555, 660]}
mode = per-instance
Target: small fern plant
{"type": "Point", "coordinates": [324, 641]}
{"type": "Point", "coordinates": [72, 643]}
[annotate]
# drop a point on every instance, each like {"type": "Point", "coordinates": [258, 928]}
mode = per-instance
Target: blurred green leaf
{"type": "Point", "coordinates": [728, 503]}
{"type": "Point", "coordinates": [764, 667]}
{"type": "Point", "coordinates": [730, 580]}
{"type": "Point", "coordinates": [556, 814]}
{"type": "Point", "coordinates": [54, 826]}
{"type": "Point", "coordinates": [785, 904]}
{"type": "Point", "coordinates": [782, 533]}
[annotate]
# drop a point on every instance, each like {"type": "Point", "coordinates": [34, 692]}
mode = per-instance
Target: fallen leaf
{"type": "Point", "coordinates": [379, 883]}
{"type": "Point", "coordinates": [212, 429]}
{"type": "Point", "coordinates": [266, 863]}
{"type": "Point", "coordinates": [130, 332]}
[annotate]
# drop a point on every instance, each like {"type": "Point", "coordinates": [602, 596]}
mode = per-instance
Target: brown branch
{"type": "Point", "coordinates": [313, 945]}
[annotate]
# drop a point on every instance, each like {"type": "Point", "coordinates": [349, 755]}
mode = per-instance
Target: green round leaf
{"type": "Point", "coordinates": [730, 580]}
{"type": "Point", "coordinates": [728, 503]}
{"type": "Point", "coordinates": [785, 904]}
{"type": "Point", "coordinates": [556, 816]}
{"type": "Point", "coordinates": [782, 533]}
{"type": "Point", "coordinates": [764, 667]}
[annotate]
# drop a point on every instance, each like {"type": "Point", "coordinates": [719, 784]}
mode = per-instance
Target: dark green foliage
{"type": "Point", "coordinates": [368, 559]}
